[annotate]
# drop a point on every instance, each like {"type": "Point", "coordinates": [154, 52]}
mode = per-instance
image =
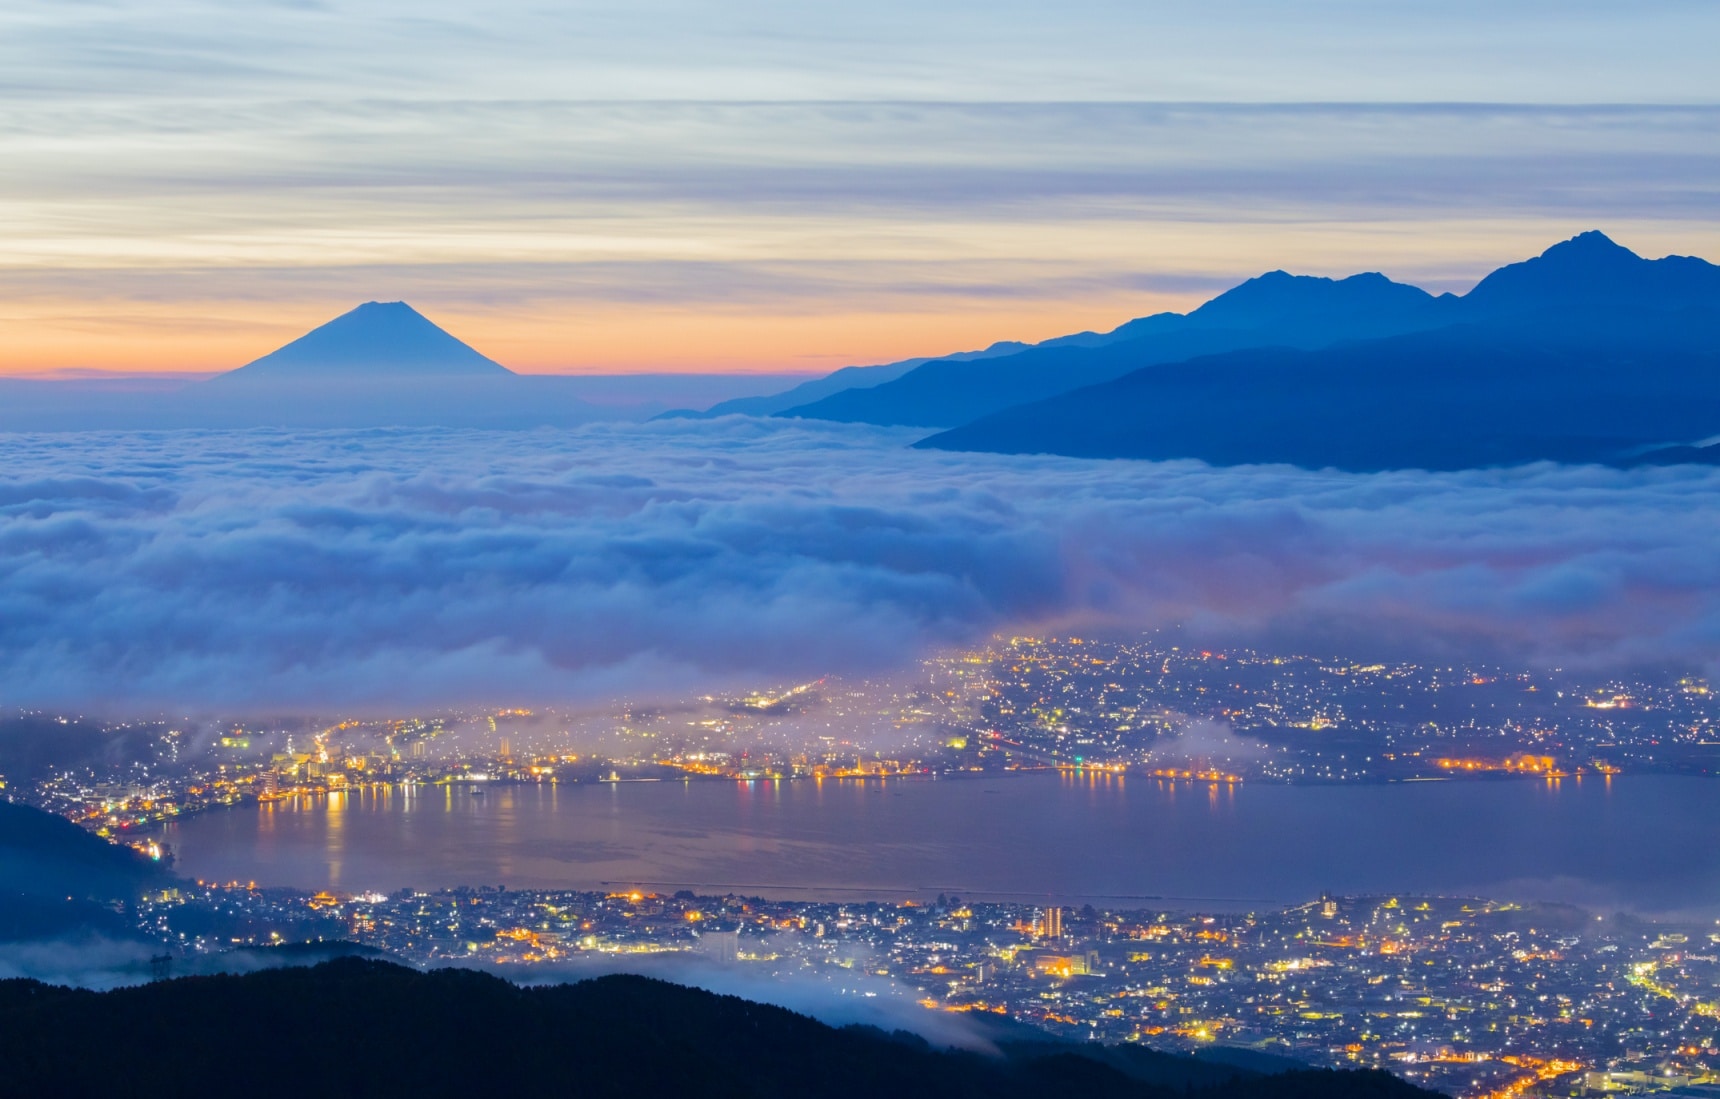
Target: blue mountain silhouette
{"type": "Point", "coordinates": [1588, 272]}
{"type": "Point", "coordinates": [1275, 309]}
{"type": "Point", "coordinates": [1586, 353]}
{"type": "Point", "coordinates": [1603, 289]}
{"type": "Point", "coordinates": [377, 340]}
{"type": "Point", "coordinates": [383, 364]}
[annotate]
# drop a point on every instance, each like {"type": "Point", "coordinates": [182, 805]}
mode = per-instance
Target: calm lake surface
{"type": "Point", "coordinates": [1643, 843]}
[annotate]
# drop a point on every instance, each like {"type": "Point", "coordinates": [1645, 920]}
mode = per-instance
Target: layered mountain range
{"type": "Point", "coordinates": [1586, 353]}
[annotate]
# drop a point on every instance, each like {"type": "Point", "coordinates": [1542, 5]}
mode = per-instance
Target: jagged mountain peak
{"type": "Point", "coordinates": [1592, 242]}
{"type": "Point", "coordinates": [1591, 271]}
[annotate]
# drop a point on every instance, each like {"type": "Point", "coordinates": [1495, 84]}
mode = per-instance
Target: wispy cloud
{"type": "Point", "coordinates": [1082, 49]}
{"type": "Point", "coordinates": [665, 184]}
{"type": "Point", "coordinates": [733, 236]}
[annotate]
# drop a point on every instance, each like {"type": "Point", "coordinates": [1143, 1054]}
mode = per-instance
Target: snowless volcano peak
{"type": "Point", "coordinates": [379, 339]}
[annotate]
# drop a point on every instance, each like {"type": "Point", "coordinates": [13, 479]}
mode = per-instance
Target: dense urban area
{"type": "Point", "coordinates": [1137, 707]}
{"type": "Point", "coordinates": [1465, 996]}
{"type": "Point", "coordinates": [1471, 997]}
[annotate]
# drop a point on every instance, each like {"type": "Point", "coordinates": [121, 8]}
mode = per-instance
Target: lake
{"type": "Point", "coordinates": [1645, 843]}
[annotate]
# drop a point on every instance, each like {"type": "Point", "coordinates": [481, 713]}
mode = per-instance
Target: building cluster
{"type": "Point", "coordinates": [1145, 706]}
{"type": "Point", "coordinates": [1189, 711]}
{"type": "Point", "coordinates": [1468, 997]}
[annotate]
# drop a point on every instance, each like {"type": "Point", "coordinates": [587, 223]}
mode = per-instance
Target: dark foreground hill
{"type": "Point", "coordinates": [45, 855]}
{"type": "Point", "coordinates": [354, 1027]}
{"type": "Point", "coordinates": [57, 880]}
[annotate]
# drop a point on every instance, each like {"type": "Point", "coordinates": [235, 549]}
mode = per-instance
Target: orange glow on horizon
{"type": "Point", "coordinates": [1090, 277]}
{"type": "Point", "coordinates": [192, 340]}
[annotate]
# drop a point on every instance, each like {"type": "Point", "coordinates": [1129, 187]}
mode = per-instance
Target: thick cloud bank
{"type": "Point", "coordinates": [324, 569]}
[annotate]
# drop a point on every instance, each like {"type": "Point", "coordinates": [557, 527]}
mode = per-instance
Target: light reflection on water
{"type": "Point", "coordinates": [1648, 843]}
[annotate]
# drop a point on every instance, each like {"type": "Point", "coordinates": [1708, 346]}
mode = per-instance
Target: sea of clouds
{"type": "Point", "coordinates": [355, 569]}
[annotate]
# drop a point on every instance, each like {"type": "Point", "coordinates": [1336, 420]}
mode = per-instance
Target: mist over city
{"type": "Point", "coordinates": [390, 570]}
{"type": "Point", "coordinates": [1126, 551]}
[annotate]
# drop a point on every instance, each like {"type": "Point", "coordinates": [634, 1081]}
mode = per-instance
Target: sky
{"type": "Point", "coordinates": [776, 187]}
{"type": "Point", "coordinates": [280, 571]}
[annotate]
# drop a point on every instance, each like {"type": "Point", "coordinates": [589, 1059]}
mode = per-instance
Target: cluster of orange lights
{"type": "Point", "coordinates": [1616, 702]}
{"type": "Point", "coordinates": [1540, 1071]}
{"type": "Point", "coordinates": [1209, 775]}
{"type": "Point", "coordinates": [694, 767]}
{"type": "Point", "coordinates": [1522, 763]}
{"type": "Point", "coordinates": [1096, 768]}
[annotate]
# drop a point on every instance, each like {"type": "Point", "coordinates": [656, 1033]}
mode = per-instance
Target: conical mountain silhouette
{"type": "Point", "coordinates": [377, 341]}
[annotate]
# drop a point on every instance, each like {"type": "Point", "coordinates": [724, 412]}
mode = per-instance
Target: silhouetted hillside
{"type": "Point", "coordinates": [374, 1029]}
{"type": "Point", "coordinates": [1276, 309]}
{"type": "Point", "coordinates": [1306, 311]}
{"type": "Point", "coordinates": [58, 880]}
{"type": "Point", "coordinates": [1587, 352]}
{"type": "Point", "coordinates": [1592, 276]}
{"type": "Point", "coordinates": [769, 404]}
{"type": "Point", "coordinates": [47, 856]}
{"type": "Point", "coordinates": [866, 377]}
{"type": "Point", "coordinates": [858, 377]}
{"type": "Point", "coordinates": [1455, 398]}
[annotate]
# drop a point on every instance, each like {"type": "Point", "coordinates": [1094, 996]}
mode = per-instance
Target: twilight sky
{"type": "Point", "coordinates": [185, 184]}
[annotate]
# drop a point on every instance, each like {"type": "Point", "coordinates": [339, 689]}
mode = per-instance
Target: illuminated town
{"type": "Point", "coordinates": [1021, 704]}
{"type": "Point", "coordinates": [1468, 997]}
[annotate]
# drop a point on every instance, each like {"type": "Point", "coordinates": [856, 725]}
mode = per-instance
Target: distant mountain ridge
{"type": "Point", "coordinates": [1553, 338]}
{"type": "Point", "coordinates": [1275, 309]}
{"type": "Point", "coordinates": [1591, 271]}
{"type": "Point", "coordinates": [1456, 399]}
{"type": "Point", "coordinates": [864, 377]}
{"type": "Point", "coordinates": [1587, 353]}
{"type": "Point", "coordinates": [1589, 277]}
